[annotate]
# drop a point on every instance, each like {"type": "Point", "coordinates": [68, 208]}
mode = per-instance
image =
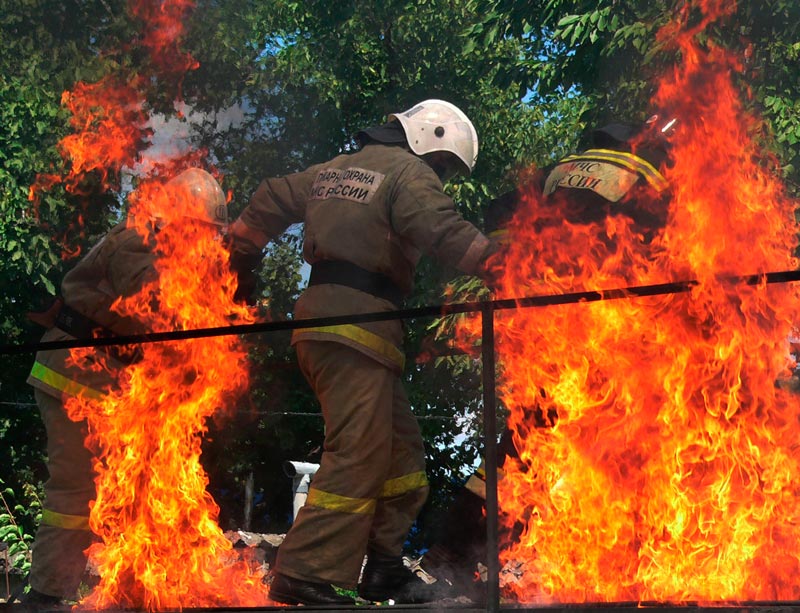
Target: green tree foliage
{"type": "Point", "coordinates": [19, 516]}
{"type": "Point", "coordinates": [609, 52]}
{"type": "Point", "coordinates": [47, 46]}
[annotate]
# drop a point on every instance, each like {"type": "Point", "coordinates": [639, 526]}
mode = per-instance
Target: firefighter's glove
{"type": "Point", "coordinates": [491, 266]}
{"type": "Point", "coordinates": [244, 265]}
{"type": "Point", "coordinates": [492, 276]}
{"type": "Point", "coordinates": [47, 318]}
{"type": "Point", "coordinates": [245, 259]}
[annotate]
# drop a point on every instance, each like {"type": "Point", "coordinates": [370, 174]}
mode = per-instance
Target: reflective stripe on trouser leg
{"type": "Point", "coordinates": [405, 491]}
{"type": "Point", "coordinates": [329, 537]}
{"type": "Point", "coordinates": [58, 560]}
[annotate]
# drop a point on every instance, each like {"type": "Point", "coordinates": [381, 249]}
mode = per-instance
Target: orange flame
{"type": "Point", "coordinates": [107, 119]}
{"type": "Point", "coordinates": [163, 24]}
{"type": "Point", "coordinates": [668, 473]}
{"type": "Point", "coordinates": [161, 546]}
{"type": "Point", "coordinates": [108, 124]}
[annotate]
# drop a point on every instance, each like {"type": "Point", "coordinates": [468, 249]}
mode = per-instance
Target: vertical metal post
{"type": "Point", "coordinates": [6, 568]}
{"type": "Point", "coordinates": [490, 457]}
{"type": "Point", "coordinates": [249, 490]}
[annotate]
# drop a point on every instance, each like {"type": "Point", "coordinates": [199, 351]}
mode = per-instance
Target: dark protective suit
{"type": "Point", "coordinates": [117, 266]}
{"type": "Point", "coordinates": [369, 216]}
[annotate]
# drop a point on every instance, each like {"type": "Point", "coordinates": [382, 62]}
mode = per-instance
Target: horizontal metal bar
{"type": "Point", "coordinates": [414, 313]}
{"type": "Point", "coordinates": [455, 607]}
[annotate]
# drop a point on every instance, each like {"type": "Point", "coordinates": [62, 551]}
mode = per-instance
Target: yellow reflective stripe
{"type": "Point", "coordinates": [62, 520]}
{"type": "Point", "coordinates": [406, 483]}
{"type": "Point", "coordinates": [362, 337]}
{"type": "Point", "coordinates": [629, 161]}
{"type": "Point", "coordinates": [62, 383]}
{"type": "Point", "coordinates": [502, 236]}
{"type": "Point", "coordinates": [342, 504]}
{"type": "Point", "coordinates": [477, 486]}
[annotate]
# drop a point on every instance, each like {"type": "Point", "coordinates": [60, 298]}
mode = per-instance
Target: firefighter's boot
{"type": "Point", "coordinates": [291, 591]}
{"type": "Point", "coordinates": [37, 602]}
{"type": "Point", "coordinates": [387, 578]}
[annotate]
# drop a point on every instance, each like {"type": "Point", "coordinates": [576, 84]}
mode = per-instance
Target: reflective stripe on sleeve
{"type": "Point", "coordinates": [342, 504]}
{"type": "Point", "coordinates": [239, 229]}
{"type": "Point", "coordinates": [62, 520]}
{"type": "Point", "coordinates": [476, 250]}
{"type": "Point", "coordinates": [627, 160]}
{"type": "Point", "coordinates": [406, 483]}
{"type": "Point", "coordinates": [502, 236]}
{"type": "Point", "coordinates": [477, 486]}
{"type": "Point", "coordinates": [60, 382]}
{"type": "Point", "coordinates": [359, 336]}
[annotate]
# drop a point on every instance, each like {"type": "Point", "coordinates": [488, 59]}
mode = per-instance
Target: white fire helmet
{"type": "Point", "coordinates": [201, 193]}
{"type": "Point", "coordinates": [436, 125]}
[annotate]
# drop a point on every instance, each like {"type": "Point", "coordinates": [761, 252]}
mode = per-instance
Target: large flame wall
{"type": "Point", "coordinates": [161, 546]}
{"type": "Point", "coordinates": [670, 470]}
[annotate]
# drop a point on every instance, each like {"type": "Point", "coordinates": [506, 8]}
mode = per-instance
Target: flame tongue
{"type": "Point", "coordinates": [668, 472]}
{"type": "Point", "coordinates": [161, 544]}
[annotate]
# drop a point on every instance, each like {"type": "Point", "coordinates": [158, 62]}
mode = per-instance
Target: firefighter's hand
{"type": "Point", "coordinates": [492, 268]}
{"type": "Point", "coordinates": [47, 318]}
{"type": "Point", "coordinates": [245, 259]}
{"type": "Point", "coordinates": [246, 286]}
{"type": "Point", "coordinates": [492, 278]}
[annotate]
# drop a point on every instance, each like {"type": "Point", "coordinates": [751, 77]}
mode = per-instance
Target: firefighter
{"type": "Point", "coordinates": [368, 218]}
{"type": "Point", "coordinates": [619, 173]}
{"type": "Point", "coordinates": [119, 265]}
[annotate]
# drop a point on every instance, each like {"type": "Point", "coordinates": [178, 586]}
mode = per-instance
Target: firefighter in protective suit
{"type": "Point", "coordinates": [620, 174]}
{"type": "Point", "coordinates": [118, 265]}
{"type": "Point", "coordinates": [368, 216]}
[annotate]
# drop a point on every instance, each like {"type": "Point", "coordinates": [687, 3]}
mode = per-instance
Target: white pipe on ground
{"type": "Point", "coordinates": [301, 474]}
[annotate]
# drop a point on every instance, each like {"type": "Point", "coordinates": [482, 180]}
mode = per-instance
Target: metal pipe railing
{"type": "Point", "coordinates": [490, 459]}
{"type": "Point", "coordinates": [414, 313]}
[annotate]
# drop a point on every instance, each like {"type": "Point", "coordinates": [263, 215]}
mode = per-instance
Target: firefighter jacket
{"type": "Point", "coordinates": [602, 182]}
{"type": "Point", "coordinates": [589, 186]}
{"type": "Point", "coordinates": [377, 211]}
{"type": "Point", "coordinates": [117, 266]}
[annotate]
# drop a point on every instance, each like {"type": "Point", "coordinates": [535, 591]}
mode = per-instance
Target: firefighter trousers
{"type": "Point", "coordinates": [58, 560]}
{"type": "Point", "coordinates": [371, 482]}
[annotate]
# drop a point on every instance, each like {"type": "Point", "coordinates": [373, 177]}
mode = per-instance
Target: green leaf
{"type": "Point", "coordinates": [567, 20]}
{"type": "Point", "coordinates": [17, 547]}
{"type": "Point", "coordinates": [576, 33]}
{"type": "Point", "coordinates": [9, 533]}
{"type": "Point", "coordinates": [47, 284]}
